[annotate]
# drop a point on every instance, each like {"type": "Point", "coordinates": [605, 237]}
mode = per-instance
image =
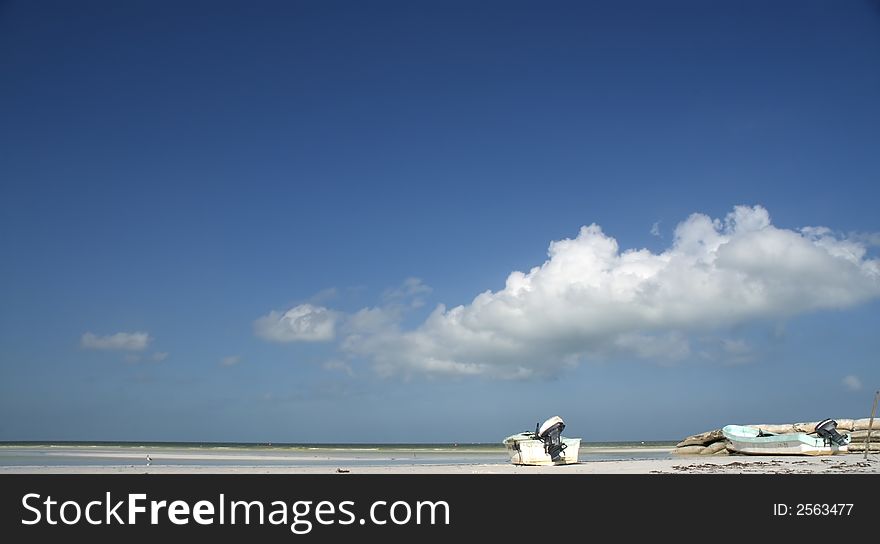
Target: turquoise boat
{"type": "Point", "coordinates": [754, 441]}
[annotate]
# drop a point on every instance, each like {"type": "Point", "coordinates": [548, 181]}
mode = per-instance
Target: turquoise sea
{"type": "Point", "coordinates": [266, 454]}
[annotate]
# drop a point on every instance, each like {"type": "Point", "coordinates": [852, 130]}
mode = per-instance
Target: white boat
{"type": "Point", "coordinates": [754, 441]}
{"type": "Point", "coordinates": [544, 446]}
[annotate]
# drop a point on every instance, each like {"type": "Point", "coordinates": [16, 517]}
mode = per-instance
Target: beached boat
{"type": "Point", "coordinates": [754, 441]}
{"type": "Point", "coordinates": [544, 446]}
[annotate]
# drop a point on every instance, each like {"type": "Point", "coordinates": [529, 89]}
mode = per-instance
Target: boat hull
{"type": "Point", "coordinates": [748, 441]}
{"type": "Point", "coordinates": [525, 450]}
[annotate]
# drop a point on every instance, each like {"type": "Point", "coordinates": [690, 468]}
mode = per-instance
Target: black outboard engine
{"type": "Point", "coordinates": [827, 429]}
{"type": "Point", "coordinates": [550, 433]}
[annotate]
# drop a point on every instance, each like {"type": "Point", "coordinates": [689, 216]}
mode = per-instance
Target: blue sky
{"type": "Point", "coordinates": [271, 221]}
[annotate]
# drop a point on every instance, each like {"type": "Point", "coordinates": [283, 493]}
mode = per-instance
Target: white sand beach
{"type": "Point", "coordinates": [166, 464]}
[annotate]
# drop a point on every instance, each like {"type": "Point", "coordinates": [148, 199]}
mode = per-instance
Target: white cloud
{"type": "Point", "coordinates": [590, 299]}
{"type": "Point", "coordinates": [853, 383]}
{"type": "Point", "coordinates": [410, 292]}
{"type": "Point", "coordinates": [655, 229]}
{"type": "Point", "coordinates": [159, 356]}
{"type": "Point", "coordinates": [129, 341]}
{"type": "Point", "coordinates": [303, 323]}
{"type": "Point", "coordinates": [866, 238]}
{"type": "Point", "coordinates": [372, 320]}
{"type": "Point", "coordinates": [230, 360]}
{"type": "Point", "coordinates": [668, 346]}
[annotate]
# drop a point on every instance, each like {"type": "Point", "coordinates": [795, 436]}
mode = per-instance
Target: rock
{"type": "Point", "coordinates": [701, 439]}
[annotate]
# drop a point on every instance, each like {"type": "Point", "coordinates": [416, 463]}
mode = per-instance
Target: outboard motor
{"type": "Point", "coordinates": [827, 429]}
{"type": "Point", "coordinates": [550, 433]}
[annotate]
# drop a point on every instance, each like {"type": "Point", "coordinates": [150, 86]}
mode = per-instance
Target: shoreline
{"type": "Point", "coordinates": [383, 455]}
{"type": "Point", "coordinates": [398, 459]}
{"type": "Point", "coordinates": [837, 464]}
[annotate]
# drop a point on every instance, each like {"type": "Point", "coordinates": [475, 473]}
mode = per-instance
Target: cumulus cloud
{"type": "Point", "coordinates": [866, 238]}
{"type": "Point", "coordinates": [590, 299]}
{"type": "Point", "coordinates": [853, 383]}
{"type": "Point", "coordinates": [128, 341]}
{"type": "Point", "coordinates": [302, 323]}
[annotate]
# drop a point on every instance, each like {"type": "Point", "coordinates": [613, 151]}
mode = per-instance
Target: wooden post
{"type": "Point", "coordinates": [871, 424]}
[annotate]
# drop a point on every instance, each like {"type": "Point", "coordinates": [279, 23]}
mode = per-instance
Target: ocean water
{"type": "Point", "coordinates": [246, 454]}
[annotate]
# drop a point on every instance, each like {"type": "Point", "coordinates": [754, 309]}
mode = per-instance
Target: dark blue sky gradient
{"type": "Point", "coordinates": [184, 167]}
